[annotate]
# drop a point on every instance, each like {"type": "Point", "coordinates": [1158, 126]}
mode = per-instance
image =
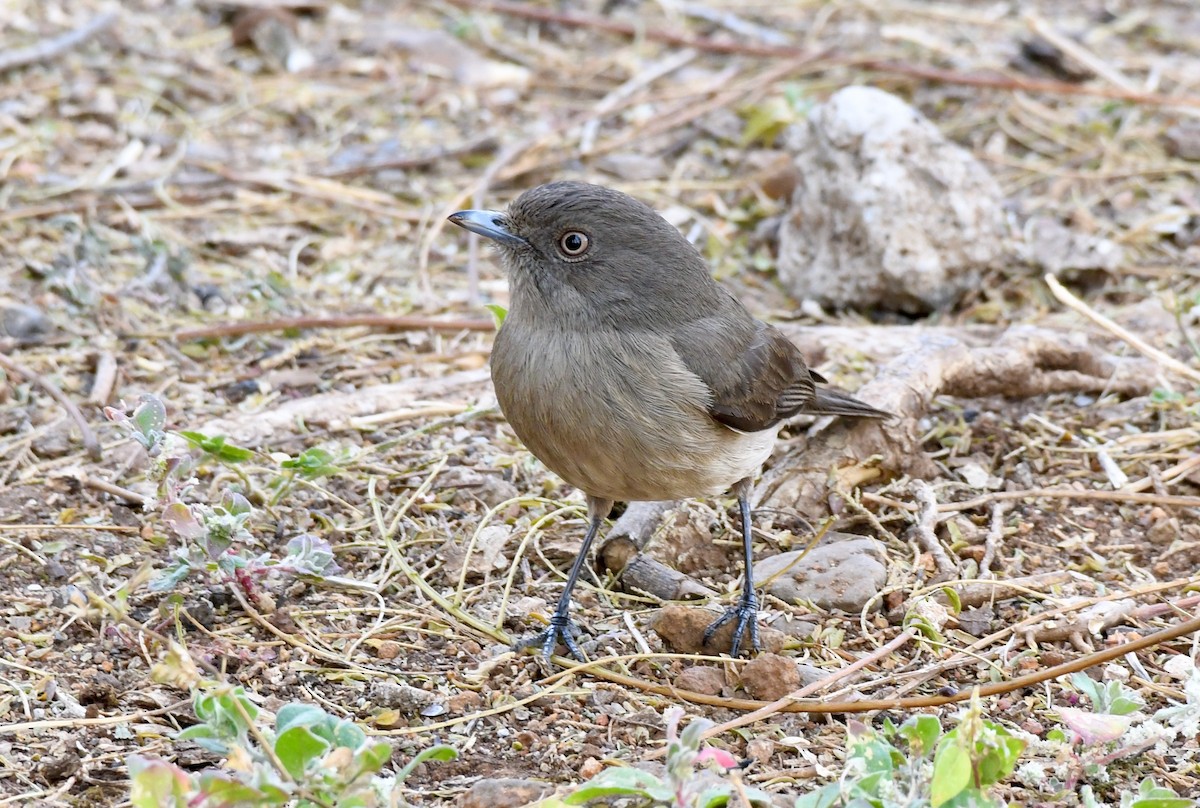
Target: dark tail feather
{"type": "Point", "coordinates": [833, 402]}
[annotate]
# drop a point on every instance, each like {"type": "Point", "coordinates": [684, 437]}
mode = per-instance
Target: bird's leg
{"type": "Point", "coordinates": [561, 626]}
{"type": "Point", "coordinates": [746, 610]}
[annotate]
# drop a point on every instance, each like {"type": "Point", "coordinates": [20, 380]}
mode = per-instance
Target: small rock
{"type": "Point", "coordinates": [768, 677]}
{"type": "Point", "coordinates": [704, 679]}
{"type": "Point", "coordinates": [465, 702]}
{"type": "Point", "coordinates": [841, 574]}
{"type": "Point", "coordinates": [760, 750]}
{"type": "Point", "coordinates": [1057, 249]}
{"type": "Point", "coordinates": [59, 768]}
{"type": "Point", "coordinates": [794, 626]}
{"type": "Point", "coordinates": [100, 688]}
{"type": "Point", "coordinates": [633, 167]}
{"type": "Point", "coordinates": [1183, 140]}
{"type": "Point", "coordinates": [26, 324]}
{"type": "Point", "coordinates": [439, 53]}
{"type": "Point", "coordinates": [55, 441]}
{"type": "Point", "coordinates": [887, 212]}
{"type": "Point", "coordinates": [503, 793]}
{"type": "Point", "coordinates": [978, 621]}
{"type": "Point", "coordinates": [682, 630]}
{"type": "Point", "coordinates": [590, 768]}
{"type": "Point", "coordinates": [388, 649]}
{"type": "Point", "coordinates": [486, 553]}
{"type": "Point", "coordinates": [686, 544]}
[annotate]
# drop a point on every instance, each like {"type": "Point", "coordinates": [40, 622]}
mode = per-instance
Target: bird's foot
{"type": "Point", "coordinates": [561, 627]}
{"type": "Point", "coordinates": [746, 615]}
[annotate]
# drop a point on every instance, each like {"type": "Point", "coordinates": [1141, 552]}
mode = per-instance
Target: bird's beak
{"type": "Point", "coordinates": [489, 224]}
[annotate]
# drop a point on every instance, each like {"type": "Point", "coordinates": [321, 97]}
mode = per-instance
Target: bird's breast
{"type": "Point", "coordinates": [617, 414]}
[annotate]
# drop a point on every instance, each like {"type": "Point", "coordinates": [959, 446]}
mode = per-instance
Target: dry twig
{"type": "Point", "coordinates": [52, 48]}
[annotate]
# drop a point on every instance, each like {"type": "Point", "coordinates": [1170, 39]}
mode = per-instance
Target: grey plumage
{"type": "Point", "coordinates": [628, 370]}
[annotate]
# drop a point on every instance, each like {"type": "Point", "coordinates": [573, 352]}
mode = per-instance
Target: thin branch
{"type": "Point", "coordinates": [89, 438]}
{"type": "Point", "coordinates": [1047, 493]}
{"type": "Point", "coordinates": [926, 522]}
{"type": "Point", "coordinates": [996, 81]}
{"type": "Point", "coordinates": [51, 48]}
{"type": "Point", "coordinates": [485, 143]}
{"type": "Point", "coordinates": [347, 321]}
{"type": "Point", "coordinates": [1137, 343]}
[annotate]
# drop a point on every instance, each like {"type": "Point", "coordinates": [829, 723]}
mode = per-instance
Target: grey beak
{"type": "Point", "coordinates": [487, 223]}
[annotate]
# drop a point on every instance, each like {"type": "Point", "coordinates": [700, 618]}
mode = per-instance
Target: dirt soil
{"type": "Point", "coordinates": [170, 173]}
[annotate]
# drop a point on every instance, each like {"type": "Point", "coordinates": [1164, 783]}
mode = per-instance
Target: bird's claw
{"type": "Point", "coordinates": [746, 614]}
{"type": "Point", "coordinates": [561, 627]}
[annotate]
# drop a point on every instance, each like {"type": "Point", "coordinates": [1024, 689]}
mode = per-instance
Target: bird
{"type": "Point", "coordinates": [632, 374]}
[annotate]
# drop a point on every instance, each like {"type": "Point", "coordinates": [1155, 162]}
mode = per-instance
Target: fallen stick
{"type": "Point", "coordinates": [1137, 343]}
{"type": "Point", "coordinates": [50, 48]}
{"type": "Point", "coordinates": [89, 438]}
{"type": "Point", "coordinates": [409, 323]}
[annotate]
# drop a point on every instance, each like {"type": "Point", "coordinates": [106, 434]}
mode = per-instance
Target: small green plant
{"type": "Point", "coordinates": [214, 538]}
{"type": "Point", "coordinates": [955, 770]}
{"type": "Point", "coordinates": [1091, 741]}
{"type": "Point", "coordinates": [681, 786]}
{"type": "Point", "coordinates": [307, 759]}
{"type": "Point", "coordinates": [311, 464]}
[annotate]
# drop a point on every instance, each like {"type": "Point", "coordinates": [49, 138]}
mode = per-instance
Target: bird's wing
{"type": "Point", "coordinates": [755, 374]}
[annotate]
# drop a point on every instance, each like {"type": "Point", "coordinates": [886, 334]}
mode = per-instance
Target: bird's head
{"type": "Point", "coordinates": [576, 245]}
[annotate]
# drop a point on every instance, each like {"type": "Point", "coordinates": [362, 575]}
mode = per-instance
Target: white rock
{"type": "Point", "coordinates": [887, 212]}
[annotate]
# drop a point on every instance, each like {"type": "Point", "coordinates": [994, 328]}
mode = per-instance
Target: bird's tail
{"type": "Point", "coordinates": [833, 402]}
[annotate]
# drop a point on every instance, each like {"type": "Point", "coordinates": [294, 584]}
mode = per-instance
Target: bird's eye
{"type": "Point", "coordinates": [573, 244]}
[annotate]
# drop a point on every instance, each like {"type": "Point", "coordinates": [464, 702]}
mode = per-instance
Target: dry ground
{"type": "Point", "coordinates": [159, 178]}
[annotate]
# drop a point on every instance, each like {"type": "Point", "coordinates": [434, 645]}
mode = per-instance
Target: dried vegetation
{"type": "Point", "coordinates": [167, 173]}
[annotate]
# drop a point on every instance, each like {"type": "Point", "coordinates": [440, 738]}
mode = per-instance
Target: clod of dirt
{"type": "Point", "coordinates": [101, 688]}
{"type": "Point", "coordinates": [687, 544]}
{"type": "Point", "coordinates": [26, 324]}
{"type": "Point", "coordinates": [465, 702]}
{"type": "Point", "coordinates": [503, 793]}
{"type": "Point", "coordinates": [768, 677]}
{"type": "Point", "coordinates": [840, 575]}
{"type": "Point", "coordinates": [887, 212]}
{"type": "Point", "coordinates": [59, 768]}
{"type": "Point", "coordinates": [682, 630]}
{"type": "Point", "coordinates": [1183, 140]}
{"type": "Point", "coordinates": [760, 750]}
{"type": "Point", "coordinates": [701, 679]}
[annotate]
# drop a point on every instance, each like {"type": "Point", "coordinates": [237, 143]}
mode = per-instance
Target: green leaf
{"type": "Point", "coordinates": [951, 772]}
{"type": "Point", "coordinates": [150, 415]}
{"type": "Point", "coordinates": [690, 738]}
{"type": "Point", "coordinates": [439, 752]}
{"type": "Point", "coordinates": [312, 463]}
{"type": "Point", "coordinates": [217, 447]}
{"type": "Point", "coordinates": [372, 758]}
{"type": "Point", "coordinates": [1001, 759]}
{"type": "Point", "coordinates": [348, 734]}
{"type": "Point", "coordinates": [952, 595]}
{"type": "Point", "coordinates": [922, 733]}
{"type": "Point", "coordinates": [155, 783]}
{"type": "Point", "coordinates": [715, 796]}
{"type": "Point", "coordinates": [221, 789]}
{"type": "Point", "coordinates": [614, 782]}
{"type": "Point", "coordinates": [297, 748]}
{"type": "Point", "coordinates": [298, 714]}
{"type": "Point", "coordinates": [823, 797]}
{"type": "Point", "coordinates": [499, 313]}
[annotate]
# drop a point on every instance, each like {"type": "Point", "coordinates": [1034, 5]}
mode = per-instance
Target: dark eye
{"type": "Point", "coordinates": [573, 244]}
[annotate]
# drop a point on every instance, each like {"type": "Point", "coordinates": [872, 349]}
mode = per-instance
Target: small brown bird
{"type": "Point", "coordinates": [631, 373]}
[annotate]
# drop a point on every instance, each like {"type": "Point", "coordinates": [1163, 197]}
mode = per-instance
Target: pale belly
{"type": "Point", "coordinates": [583, 413]}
